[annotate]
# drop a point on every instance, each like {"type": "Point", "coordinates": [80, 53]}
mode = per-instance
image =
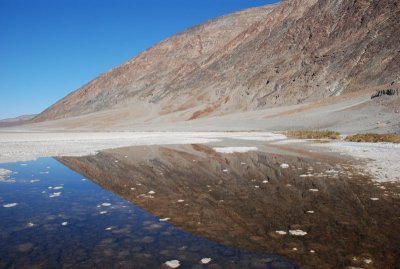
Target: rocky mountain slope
{"type": "Point", "coordinates": [292, 52]}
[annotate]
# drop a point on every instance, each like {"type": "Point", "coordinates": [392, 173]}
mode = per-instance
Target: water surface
{"type": "Point", "coordinates": [52, 217]}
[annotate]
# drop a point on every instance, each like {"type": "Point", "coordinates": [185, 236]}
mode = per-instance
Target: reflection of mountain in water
{"type": "Point", "coordinates": [243, 199]}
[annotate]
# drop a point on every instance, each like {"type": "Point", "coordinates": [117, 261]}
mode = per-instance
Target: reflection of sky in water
{"type": "Point", "coordinates": [62, 220]}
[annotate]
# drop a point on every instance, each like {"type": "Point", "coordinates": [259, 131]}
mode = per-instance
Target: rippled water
{"type": "Point", "coordinates": [53, 217]}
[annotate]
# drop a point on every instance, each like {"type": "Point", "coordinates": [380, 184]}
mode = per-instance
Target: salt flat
{"type": "Point", "coordinates": [23, 146]}
{"type": "Point", "coordinates": [381, 161]}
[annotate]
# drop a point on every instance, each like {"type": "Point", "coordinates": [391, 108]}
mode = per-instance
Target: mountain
{"type": "Point", "coordinates": [16, 121]}
{"type": "Point", "coordinates": [293, 52]}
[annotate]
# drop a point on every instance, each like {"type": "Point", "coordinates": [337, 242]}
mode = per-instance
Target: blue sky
{"type": "Point", "coordinates": [49, 48]}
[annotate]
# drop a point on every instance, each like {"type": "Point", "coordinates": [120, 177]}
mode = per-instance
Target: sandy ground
{"type": "Point", "coordinates": [380, 160]}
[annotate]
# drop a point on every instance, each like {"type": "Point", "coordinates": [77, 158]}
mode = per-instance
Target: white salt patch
{"type": "Point", "coordinates": [225, 170]}
{"type": "Point", "coordinates": [152, 192]}
{"type": "Point", "coordinates": [10, 205]}
{"type": "Point", "coordinates": [281, 232]}
{"type": "Point", "coordinates": [132, 189]}
{"type": "Point", "coordinates": [206, 260]}
{"type": "Point", "coordinates": [181, 201]}
{"type": "Point", "coordinates": [165, 219]}
{"type": "Point", "coordinates": [106, 204]}
{"type": "Point", "coordinates": [23, 164]}
{"type": "Point", "coordinates": [34, 180]}
{"type": "Point", "coordinates": [50, 188]}
{"type": "Point", "coordinates": [43, 173]}
{"type": "Point", "coordinates": [263, 137]}
{"type": "Point", "coordinates": [103, 212]}
{"type": "Point", "coordinates": [5, 172]}
{"type": "Point", "coordinates": [284, 165]}
{"type": "Point", "coordinates": [294, 249]}
{"type": "Point", "coordinates": [242, 163]}
{"type": "Point", "coordinates": [312, 251]}
{"type": "Point", "coordinates": [297, 232]}
{"type": "Point", "coordinates": [265, 181]}
{"type": "Point", "coordinates": [116, 161]}
{"type": "Point", "coordinates": [30, 225]}
{"type": "Point", "coordinates": [108, 228]}
{"type": "Point", "coordinates": [383, 158]}
{"type": "Point", "coordinates": [173, 263]}
{"type": "Point", "coordinates": [55, 194]}
{"type": "Point", "coordinates": [310, 212]}
{"type": "Point", "coordinates": [314, 190]}
{"type": "Point", "coordinates": [374, 199]}
{"type": "Point", "coordinates": [58, 188]}
{"type": "Point", "coordinates": [65, 223]}
{"type": "Point", "coordinates": [234, 149]}
{"type": "Point", "coordinates": [367, 261]}
{"type": "Point", "coordinates": [257, 187]}
{"type": "Point", "coordinates": [83, 179]}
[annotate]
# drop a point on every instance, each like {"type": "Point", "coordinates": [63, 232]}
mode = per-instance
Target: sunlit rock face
{"type": "Point", "coordinates": [318, 211]}
{"type": "Point", "coordinates": [292, 52]}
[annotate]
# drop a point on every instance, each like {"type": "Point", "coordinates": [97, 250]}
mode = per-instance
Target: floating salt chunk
{"type": "Point", "coordinates": [206, 260]}
{"type": "Point", "coordinates": [173, 263]}
{"type": "Point", "coordinates": [106, 204]}
{"type": "Point", "coordinates": [374, 199]}
{"type": "Point", "coordinates": [50, 188]}
{"type": "Point", "coordinates": [265, 182]}
{"type": "Point", "coordinates": [55, 194]}
{"type": "Point", "coordinates": [281, 232]}
{"type": "Point", "coordinates": [314, 190]}
{"type": "Point", "coordinates": [164, 219]}
{"type": "Point", "coordinates": [152, 192]}
{"type": "Point", "coordinates": [10, 205]}
{"type": "Point", "coordinates": [65, 223]}
{"type": "Point", "coordinates": [108, 228]}
{"type": "Point", "coordinates": [103, 212]}
{"type": "Point", "coordinates": [284, 165]}
{"type": "Point", "coordinates": [23, 164]}
{"type": "Point", "coordinates": [83, 179]}
{"type": "Point", "coordinates": [367, 261]}
{"type": "Point", "coordinates": [310, 212]}
{"type": "Point", "coordinates": [44, 173]}
{"type": "Point", "coordinates": [34, 180]}
{"type": "Point", "coordinates": [30, 224]}
{"type": "Point", "coordinates": [181, 201]}
{"type": "Point", "coordinates": [312, 251]}
{"type": "Point", "coordinates": [58, 188]}
{"type": "Point", "coordinates": [297, 232]}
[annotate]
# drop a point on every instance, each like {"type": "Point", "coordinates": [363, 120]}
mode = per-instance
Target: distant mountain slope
{"type": "Point", "coordinates": [16, 121]}
{"type": "Point", "coordinates": [288, 53]}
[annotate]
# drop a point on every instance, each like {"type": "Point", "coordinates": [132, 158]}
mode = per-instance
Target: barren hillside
{"type": "Point", "coordinates": [293, 52]}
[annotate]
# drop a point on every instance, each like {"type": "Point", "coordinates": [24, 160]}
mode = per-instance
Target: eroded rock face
{"type": "Point", "coordinates": [287, 53]}
{"type": "Point", "coordinates": [318, 212]}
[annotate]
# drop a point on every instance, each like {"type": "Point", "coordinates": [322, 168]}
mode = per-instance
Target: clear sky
{"type": "Point", "coordinates": [49, 48]}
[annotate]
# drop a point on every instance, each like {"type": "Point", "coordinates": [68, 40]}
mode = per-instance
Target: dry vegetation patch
{"type": "Point", "coordinates": [313, 134]}
{"type": "Point", "coordinates": [370, 137]}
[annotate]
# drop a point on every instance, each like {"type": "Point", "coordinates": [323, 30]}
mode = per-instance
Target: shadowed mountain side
{"type": "Point", "coordinates": [241, 200]}
{"type": "Point", "coordinates": [292, 52]}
